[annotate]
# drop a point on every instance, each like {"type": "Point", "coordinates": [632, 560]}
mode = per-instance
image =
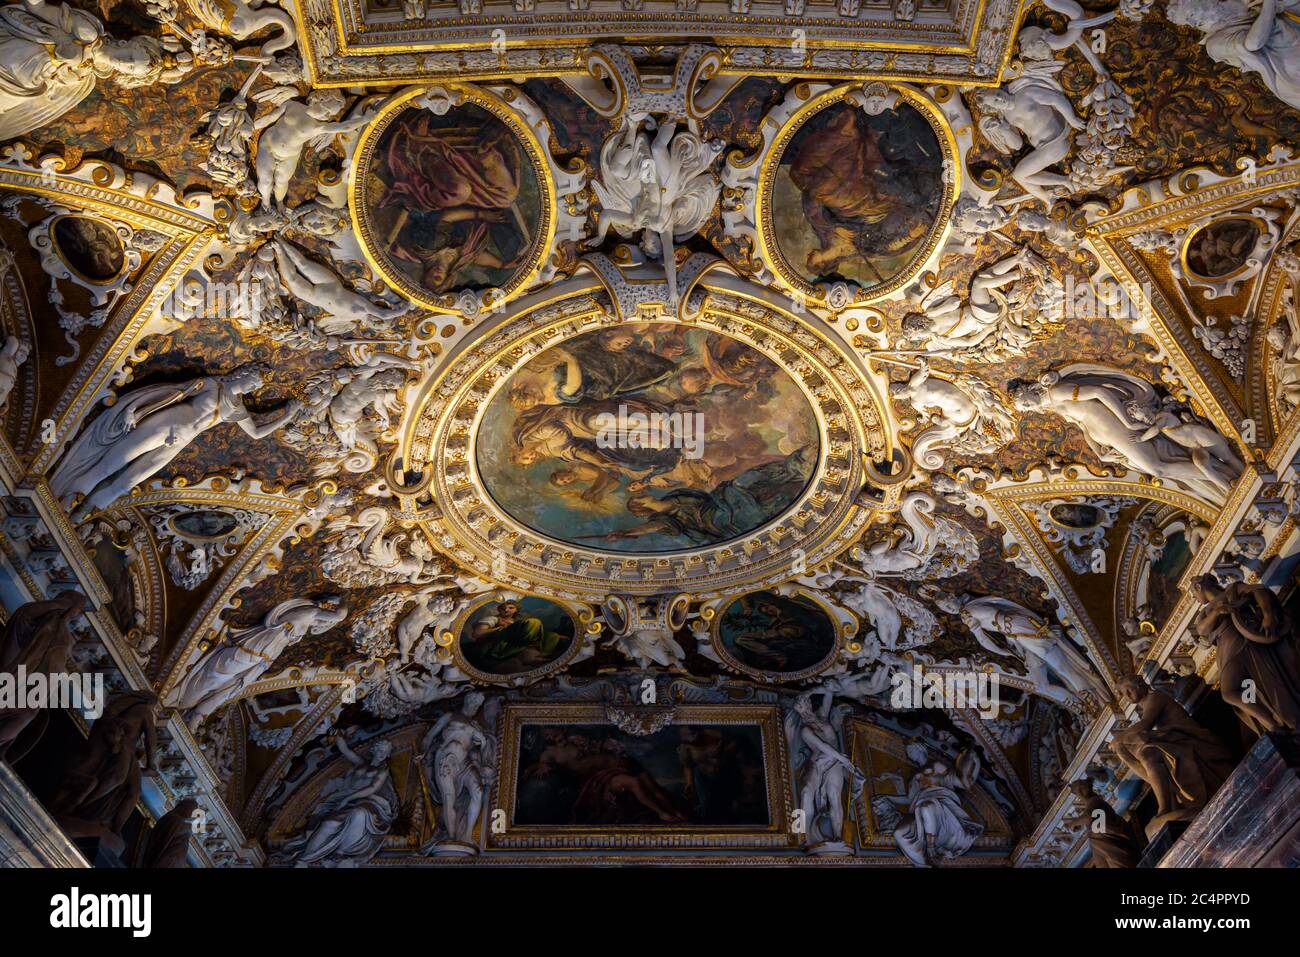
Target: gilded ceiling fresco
{"type": "Point", "coordinates": [518, 448]}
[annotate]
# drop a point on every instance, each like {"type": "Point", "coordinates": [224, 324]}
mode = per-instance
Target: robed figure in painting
{"type": "Point", "coordinates": [853, 202]}
{"type": "Point", "coordinates": [454, 185]}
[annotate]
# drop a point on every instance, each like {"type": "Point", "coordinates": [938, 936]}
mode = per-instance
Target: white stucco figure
{"type": "Point", "coordinates": [1041, 645]}
{"type": "Point", "coordinates": [961, 414]}
{"type": "Point", "coordinates": [1126, 422]}
{"type": "Point", "coordinates": [1259, 37]}
{"type": "Point", "coordinates": [245, 654]}
{"type": "Point", "coordinates": [822, 771]}
{"type": "Point", "coordinates": [461, 751]}
{"type": "Point", "coordinates": [289, 128]}
{"type": "Point", "coordinates": [319, 286]}
{"type": "Point", "coordinates": [663, 189]}
{"type": "Point", "coordinates": [936, 827]}
{"type": "Point", "coordinates": [1032, 109]}
{"type": "Point", "coordinates": [353, 813]}
{"type": "Point", "coordinates": [13, 354]}
{"type": "Point", "coordinates": [948, 323]}
{"type": "Point", "coordinates": [51, 54]}
{"type": "Point", "coordinates": [138, 436]}
{"type": "Point", "coordinates": [240, 19]}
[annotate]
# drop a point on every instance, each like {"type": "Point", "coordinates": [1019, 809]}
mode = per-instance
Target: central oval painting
{"type": "Point", "coordinates": [647, 437]}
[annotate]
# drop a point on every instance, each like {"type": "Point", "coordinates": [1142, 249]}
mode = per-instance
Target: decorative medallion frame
{"type": "Point", "coordinates": [816, 98]}
{"type": "Point", "coordinates": [585, 626]}
{"type": "Point", "coordinates": [449, 97]}
{"type": "Point", "coordinates": [467, 525]}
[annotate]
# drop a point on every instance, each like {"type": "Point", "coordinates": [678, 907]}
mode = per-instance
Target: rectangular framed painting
{"type": "Point", "coordinates": [582, 775]}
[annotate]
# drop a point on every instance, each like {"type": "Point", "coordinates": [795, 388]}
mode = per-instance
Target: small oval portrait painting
{"type": "Point", "coordinates": [205, 524]}
{"type": "Point", "coordinates": [1222, 248]}
{"type": "Point", "coordinates": [512, 636]}
{"type": "Point", "coordinates": [452, 201]}
{"type": "Point", "coordinates": [1076, 515]}
{"type": "Point", "coordinates": [91, 248]}
{"type": "Point", "coordinates": [855, 196]}
{"type": "Point", "coordinates": [782, 634]}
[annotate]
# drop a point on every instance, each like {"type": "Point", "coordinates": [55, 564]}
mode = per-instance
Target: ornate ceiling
{"type": "Point", "coordinates": [578, 424]}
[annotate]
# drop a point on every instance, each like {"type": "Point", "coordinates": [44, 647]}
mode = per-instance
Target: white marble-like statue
{"type": "Point", "coordinates": [1258, 37]}
{"type": "Point", "coordinates": [821, 770]}
{"type": "Point", "coordinates": [910, 548]}
{"type": "Point", "coordinates": [1126, 422]}
{"type": "Point", "coordinates": [936, 828]}
{"type": "Point", "coordinates": [1041, 645]}
{"type": "Point", "coordinates": [1032, 108]}
{"type": "Point", "coordinates": [240, 19]}
{"type": "Point", "coordinates": [460, 770]}
{"type": "Point", "coordinates": [431, 605]}
{"type": "Point", "coordinates": [51, 54]}
{"type": "Point", "coordinates": [289, 128]}
{"type": "Point", "coordinates": [948, 323]}
{"type": "Point", "coordinates": [663, 190]}
{"type": "Point", "coordinates": [245, 654]}
{"type": "Point", "coordinates": [349, 409]}
{"type": "Point", "coordinates": [363, 553]}
{"type": "Point", "coordinates": [134, 439]}
{"type": "Point", "coordinates": [353, 814]}
{"type": "Point", "coordinates": [898, 621]}
{"type": "Point", "coordinates": [319, 286]}
{"type": "Point", "coordinates": [963, 414]}
{"type": "Point", "coordinates": [12, 355]}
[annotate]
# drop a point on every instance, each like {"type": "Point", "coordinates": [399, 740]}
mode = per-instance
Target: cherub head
{"type": "Point", "coordinates": [324, 105]}
{"type": "Point", "coordinates": [245, 379]}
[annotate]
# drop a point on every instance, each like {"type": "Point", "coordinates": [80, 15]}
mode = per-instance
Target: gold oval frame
{"type": "Point", "coordinates": [358, 194]}
{"type": "Point", "coordinates": [1261, 230]}
{"type": "Point", "coordinates": [582, 619]}
{"type": "Point", "coordinates": [466, 524]}
{"type": "Point", "coordinates": [57, 248]}
{"type": "Point", "coordinates": [841, 632]}
{"type": "Point", "coordinates": [770, 251]}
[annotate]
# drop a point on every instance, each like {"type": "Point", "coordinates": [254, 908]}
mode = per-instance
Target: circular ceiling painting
{"type": "Point", "coordinates": [856, 197]}
{"type": "Point", "coordinates": [647, 437]}
{"type": "Point", "coordinates": [451, 198]}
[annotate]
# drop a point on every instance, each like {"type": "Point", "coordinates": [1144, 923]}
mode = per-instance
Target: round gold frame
{"type": "Point", "coordinates": [1261, 230]}
{"type": "Point", "coordinates": [57, 248]}
{"type": "Point", "coordinates": [770, 251]}
{"type": "Point", "coordinates": [467, 525]}
{"type": "Point", "coordinates": [581, 617]}
{"type": "Point", "coordinates": [841, 631]}
{"type": "Point", "coordinates": [359, 196]}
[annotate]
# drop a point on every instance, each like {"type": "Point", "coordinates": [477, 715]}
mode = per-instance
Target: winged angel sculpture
{"type": "Point", "coordinates": [661, 189]}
